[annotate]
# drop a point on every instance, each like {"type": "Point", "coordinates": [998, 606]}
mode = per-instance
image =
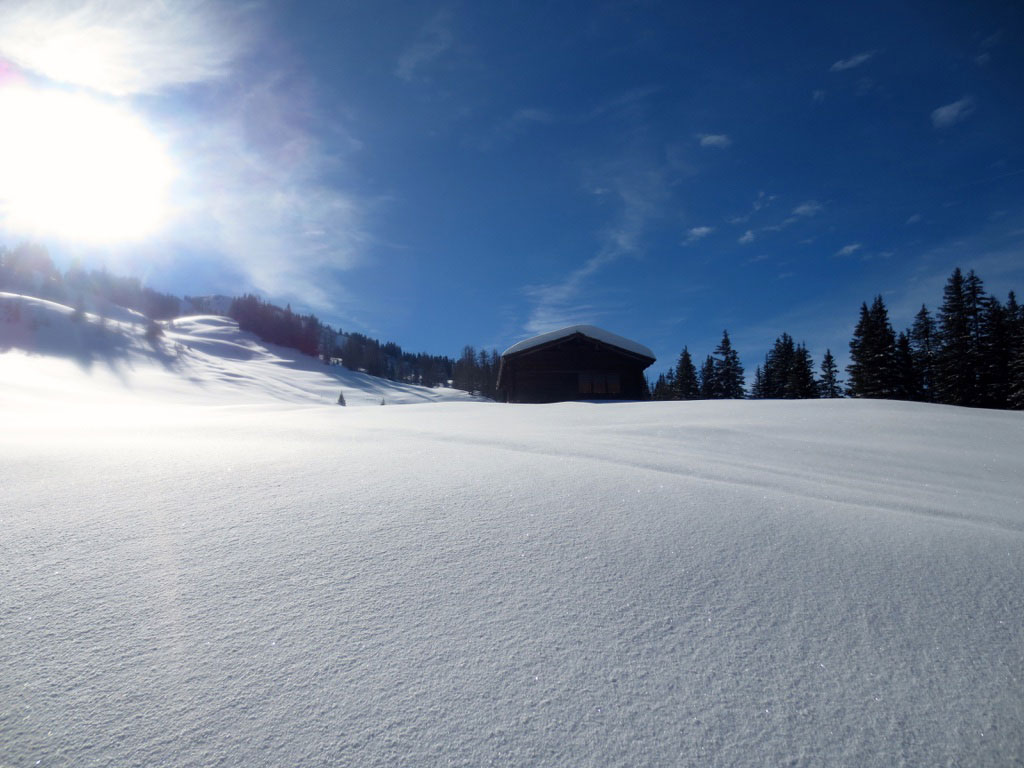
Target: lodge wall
{"type": "Point", "coordinates": [576, 368]}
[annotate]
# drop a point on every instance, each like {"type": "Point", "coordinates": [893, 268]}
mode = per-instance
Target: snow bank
{"type": "Point", "coordinates": [587, 330]}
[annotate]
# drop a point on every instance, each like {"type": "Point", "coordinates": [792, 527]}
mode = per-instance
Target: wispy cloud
{"type": "Point", "coordinates": [640, 191]}
{"type": "Point", "coordinates": [951, 114]}
{"type": "Point", "coordinates": [763, 200]}
{"type": "Point", "coordinates": [719, 140]}
{"type": "Point", "coordinates": [848, 250]}
{"type": "Point", "coordinates": [508, 128]}
{"type": "Point", "coordinates": [914, 218]}
{"type": "Point", "coordinates": [124, 47]}
{"type": "Point", "coordinates": [818, 95]}
{"type": "Point", "coordinates": [434, 38]}
{"type": "Point", "coordinates": [808, 208]}
{"type": "Point", "coordinates": [992, 40]}
{"type": "Point", "coordinates": [255, 193]}
{"type": "Point", "coordinates": [854, 61]}
{"type": "Point", "coordinates": [746, 237]}
{"type": "Point", "coordinates": [698, 233]}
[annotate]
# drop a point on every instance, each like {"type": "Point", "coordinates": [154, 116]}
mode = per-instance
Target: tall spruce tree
{"type": "Point", "coordinates": [908, 379]}
{"type": "Point", "coordinates": [708, 379]}
{"type": "Point", "coordinates": [778, 367]}
{"type": "Point", "coordinates": [800, 383]}
{"type": "Point", "coordinates": [728, 370]}
{"type": "Point", "coordinates": [955, 369]}
{"type": "Point", "coordinates": [1015, 390]}
{"type": "Point", "coordinates": [757, 389]}
{"type": "Point", "coordinates": [687, 386]}
{"type": "Point", "coordinates": [828, 384]}
{"type": "Point", "coordinates": [995, 355]}
{"type": "Point", "coordinates": [671, 387]}
{"type": "Point", "coordinates": [788, 371]}
{"type": "Point", "coordinates": [872, 369]}
{"type": "Point", "coordinates": [924, 350]}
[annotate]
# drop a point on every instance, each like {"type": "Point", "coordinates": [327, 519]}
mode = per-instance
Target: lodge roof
{"type": "Point", "coordinates": [590, 331]}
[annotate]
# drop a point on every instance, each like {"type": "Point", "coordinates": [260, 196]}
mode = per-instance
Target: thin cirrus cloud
{"type": "Point", "coordinates": [854, 61]}
{"type": "Point", "coordinates": [951, 114]}
{"type": "Point", "coordinates": [433, 39]}
{"type": "Point", "coordinates": [848, 250]}
{"type": "Point", "coordinates": [641, 191]}
{"type": "Point", "coordinates": [125, 47]}
{"type": "Point", "coordinates": [719, 140]}
{"type": "Point", "coordinates": [746, 237]}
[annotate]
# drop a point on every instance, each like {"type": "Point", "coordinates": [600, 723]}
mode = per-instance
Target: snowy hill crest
{"type": "Point", "coordinates": [198, 358]}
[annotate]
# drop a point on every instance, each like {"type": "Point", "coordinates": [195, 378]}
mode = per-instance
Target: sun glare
{"type": "Point", "coordinates": [78, 168]}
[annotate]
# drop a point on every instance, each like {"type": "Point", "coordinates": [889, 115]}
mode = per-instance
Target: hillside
{"type": "Point", "coordinates": [202, 359]}
{"type": "Point", "coordinates": [206, 562]}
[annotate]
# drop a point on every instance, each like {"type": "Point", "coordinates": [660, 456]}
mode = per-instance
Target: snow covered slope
{"type": "Point", "coordinates": [200, 359]}
{"type": "Point", "coordinates": [712, 584]}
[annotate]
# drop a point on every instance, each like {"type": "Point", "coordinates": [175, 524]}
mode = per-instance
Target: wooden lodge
{"type": "Point", "coordinates": [581, 362]}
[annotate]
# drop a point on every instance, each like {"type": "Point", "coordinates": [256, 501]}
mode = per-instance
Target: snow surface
{"type": "Point", "coordinates": [587, 330]}
{"type": "Point", "coordinates": [266, 579]}
{"type": "Point", "coordinates": [200, 359]}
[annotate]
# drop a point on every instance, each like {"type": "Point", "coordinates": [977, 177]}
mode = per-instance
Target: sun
{"type": "Point", "coordinates": [78, 168]}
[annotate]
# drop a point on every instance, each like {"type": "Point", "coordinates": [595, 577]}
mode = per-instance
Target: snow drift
{"type": "Point", "coordinates": [265, 580]}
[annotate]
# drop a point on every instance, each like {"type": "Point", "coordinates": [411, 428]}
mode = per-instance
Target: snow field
{"type": "Point", "coordinates": [473, 584]}
{"type": "Point", "coordinates": [206, 562]}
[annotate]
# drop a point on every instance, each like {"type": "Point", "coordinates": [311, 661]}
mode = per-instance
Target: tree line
{"type": "Point", "coordinates": [970, 353]}
{"type": "Point", "coordinates": [720, 376]}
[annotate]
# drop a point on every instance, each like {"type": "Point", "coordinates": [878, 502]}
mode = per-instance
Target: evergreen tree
{"type": "Point", "coordinates": [757, 390]}
{"type": "Point", "coordinates": [800, 383]}
{"type": "Point", "coordinates": [661, 391]}
{"type": "Point", "coordinates": [828, 384]}
{"type": "Point", "coordinates": [872, 370]}
{"type": "Point", "coordinates": [671, 387]}
{"type": "Point", "coordinates": [778, 367]}
{"type": "Point", "coordinates": [464, 375]}
{"type": "Point", "coordinates": [1015, 318]}
{"type": "Point", "coordinates": [996, 352]}
{"type": "Point", "coordinates": [728, 370]}
{"type": "Point", "coordinates": [908, 379]}
{"type": "Point", "coordinates": [687, 386]}
{"type": "Point", "coordinates": [708, 380]}
{"type": "Point", "coordinates": [788, 372]}
{"type": "Point", "coordinates": [956, 380]}
{"type": "Point", "coordinates": [924, 350]}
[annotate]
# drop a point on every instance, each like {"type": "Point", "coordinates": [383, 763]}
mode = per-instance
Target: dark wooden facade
{"type": "Point", "coordinates": [574, 367]}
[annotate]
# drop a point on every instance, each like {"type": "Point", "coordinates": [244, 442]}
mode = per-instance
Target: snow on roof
{"type": "Point", "coordinates": [591, 331]}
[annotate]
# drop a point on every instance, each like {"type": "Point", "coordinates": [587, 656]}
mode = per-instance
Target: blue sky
{"type": "Point", "coordinates": [441, 174]}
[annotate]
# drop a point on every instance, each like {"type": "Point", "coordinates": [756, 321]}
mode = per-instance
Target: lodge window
{"type": "Point", "coordinates": [600, 384]}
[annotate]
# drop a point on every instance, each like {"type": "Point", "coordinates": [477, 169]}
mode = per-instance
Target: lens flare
{"type": "Point", "coordinates": [77, 168]}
